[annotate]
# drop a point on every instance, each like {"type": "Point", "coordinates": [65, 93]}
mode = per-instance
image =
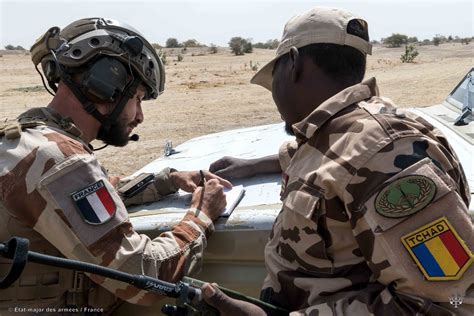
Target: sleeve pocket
{"type": "Point", "coordinates": [97, 211]}
{"type": "Point", "coordinates": [407, 193]}
{"type": "Point", "coordinates": [394, 238]}
{"type": "Point", "coordinates": [302, 198]}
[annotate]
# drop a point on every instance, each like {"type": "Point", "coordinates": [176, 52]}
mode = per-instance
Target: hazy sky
{"type": "Point", "coordinates": [217, 21]}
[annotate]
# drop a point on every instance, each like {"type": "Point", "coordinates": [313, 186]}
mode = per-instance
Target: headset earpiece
{"type": "Point", "coordinates": [106, 79]}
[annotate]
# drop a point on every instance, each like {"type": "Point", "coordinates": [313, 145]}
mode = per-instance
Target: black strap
{"type": "Point", "coordinates": [88, 106]}
{"type": "Point", "coordinates": [128, 93]}
{"type": "Point", "coordinates": [17, 249]}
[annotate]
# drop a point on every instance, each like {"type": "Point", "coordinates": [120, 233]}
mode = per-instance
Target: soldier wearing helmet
{"type": "Point", "coordinates": [54, 192]}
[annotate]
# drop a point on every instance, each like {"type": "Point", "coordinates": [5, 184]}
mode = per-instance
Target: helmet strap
{"type": "Point", "coordinates": [128, 93]}
{"type": "Point", "coordinates": [87, 105]}
{"type": "Point", "coordinates": [91, 108]}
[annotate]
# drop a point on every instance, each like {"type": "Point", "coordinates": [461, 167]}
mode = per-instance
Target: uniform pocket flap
{"type": "Point", "coordinates": [302, 198]}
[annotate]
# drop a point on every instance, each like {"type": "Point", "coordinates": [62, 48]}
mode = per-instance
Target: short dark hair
{"type": "Point", "coordinates": [342, 63]}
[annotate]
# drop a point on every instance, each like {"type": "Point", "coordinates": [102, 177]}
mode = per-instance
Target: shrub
{"type": "Point", "coordinates": [162, 55]}
{"type": "Point", "coordinates": [270, 44]}
{"type": "Point", "coordinates": [426, 42]}
{"type": "Point", "coordinates": [248, 48]}
{"type": "Point", "coordinates": [11, 47]}
{"type": "Point", "coordinates": [180, 57]}
{"type": "Point", "coordinates": [253, 66]}
{"type": "Point", "coordinates": [236, 45]}
{"type": "Point", "coordinates": [273, 44]}
{"type": "Point", "coordinates": [213, 49]}
{"type": "Point", "coordinates": [172, 43]}
{"type": "Point", "coordinates": [156, 46]}
{"type": "Point", "coordinates": [410, 54]}
{"type": "Point", "coordinates": [438, 39]}
{"type": "Point", "coordinates": [240, 46]}
{"type": "Point", "coordinates": [395, 40]}
{"type": "Point", "coordinates": [191, 43]}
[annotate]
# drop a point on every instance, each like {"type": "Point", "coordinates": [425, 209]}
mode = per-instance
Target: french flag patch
{"type": "Point", "coordinates": [95, 203]}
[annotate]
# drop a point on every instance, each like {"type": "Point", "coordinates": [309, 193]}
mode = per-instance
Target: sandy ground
{"type": "Point", "coordinates": [208, 93]}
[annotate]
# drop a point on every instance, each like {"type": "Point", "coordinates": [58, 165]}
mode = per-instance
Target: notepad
{"type": "Point", "coordinates": [233, 197]}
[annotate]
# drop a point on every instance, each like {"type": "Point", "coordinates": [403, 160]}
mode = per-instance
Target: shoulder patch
{"type": "Point", "coordinates": [94, 203]}
{"type": "Point", "coordinates": [405, 196]}
{"type": "Point", "coordinates": [438, 251]}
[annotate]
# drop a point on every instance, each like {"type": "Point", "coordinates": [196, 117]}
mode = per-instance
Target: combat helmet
{"type": "Point", "coordinates": [111, 57]}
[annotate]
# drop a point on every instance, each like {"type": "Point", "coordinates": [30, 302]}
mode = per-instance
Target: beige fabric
{"type": "Point", "coordinates": [318, 25]}
{"type": "Point", "coordinates": [39, 285]}
{"type": "Point", "coordinates": [330, 251]}
{"type": "Point", "coordinates": [39, 173]}
{"type": "Point", "coordinates": [154, 191]}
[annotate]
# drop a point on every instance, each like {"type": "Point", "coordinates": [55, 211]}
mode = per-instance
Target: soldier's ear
{"type": "Point", "coordinates": [296, 64]}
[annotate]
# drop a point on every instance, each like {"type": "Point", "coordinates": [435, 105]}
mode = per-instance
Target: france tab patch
{"type": "Point", "coordinates": [438, 251]}
{"type": "Point", "coordinates": [95, 203]}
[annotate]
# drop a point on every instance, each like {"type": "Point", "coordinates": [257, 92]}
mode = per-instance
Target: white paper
{"type": "Point", "coordinates": [233, 197]}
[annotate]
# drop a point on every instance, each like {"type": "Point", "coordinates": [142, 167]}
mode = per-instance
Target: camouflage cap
{"type": "Point", "coordinates": [318, 25]}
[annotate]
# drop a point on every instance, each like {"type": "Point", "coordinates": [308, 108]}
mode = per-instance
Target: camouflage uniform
{"type": "Point", "coordinates": [42, 170]}
{"type": "Point", "coordinates": [334, 249]}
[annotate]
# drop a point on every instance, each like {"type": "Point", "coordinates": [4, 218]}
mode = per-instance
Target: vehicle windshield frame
{"type": "Point", "coordinates": [454, 99]}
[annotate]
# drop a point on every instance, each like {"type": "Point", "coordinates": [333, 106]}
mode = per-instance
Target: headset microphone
{"type": "Point", "coordinates": [132, 138]}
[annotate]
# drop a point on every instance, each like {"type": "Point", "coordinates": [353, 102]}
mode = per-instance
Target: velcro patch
{"type": "Point", "coordinates": [94, 203]}
{"type": "Point", "coordinates": [438, 251]}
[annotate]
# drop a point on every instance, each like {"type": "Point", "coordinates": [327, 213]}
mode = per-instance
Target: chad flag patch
{"type": "Point", "coordinates": [438, 251]}
{"type": "Point", "coordinates": [95, 203]}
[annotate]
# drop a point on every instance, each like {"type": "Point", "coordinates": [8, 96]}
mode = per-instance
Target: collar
{"type": "Point", "coordinates": [52, 118]}
{"type": "Point", "coordinates": [306, 128]}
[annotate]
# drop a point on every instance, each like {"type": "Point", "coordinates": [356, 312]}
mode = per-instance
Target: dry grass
{"type": "Point", "coordinates": [209, 93]}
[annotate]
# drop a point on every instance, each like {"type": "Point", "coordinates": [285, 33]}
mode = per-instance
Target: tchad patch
{"type": "Point", "coordinates": [95, 204]}
{"type": "Point", "coordinates": [405, 196]}
{"type": "Point", "coordinates": [438, 251]}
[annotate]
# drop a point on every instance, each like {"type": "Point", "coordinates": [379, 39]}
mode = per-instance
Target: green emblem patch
{"type": "Point", "coordinates": [405, 196]}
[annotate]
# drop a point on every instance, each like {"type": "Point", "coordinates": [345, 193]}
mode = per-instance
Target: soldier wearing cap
{"type": "Point", "coordinates": [375, 202]}
{"type": "Point", "coordinates": [54, 192]}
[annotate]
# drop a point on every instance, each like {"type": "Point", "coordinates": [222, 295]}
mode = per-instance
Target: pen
{"type": "Point", "coordinates": [203, 178]}
{"type": "Point", "coordinates": [202, 182]}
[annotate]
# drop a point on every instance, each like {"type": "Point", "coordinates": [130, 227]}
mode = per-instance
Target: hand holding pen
{"type": "Point", "coordinates": [209, 196]}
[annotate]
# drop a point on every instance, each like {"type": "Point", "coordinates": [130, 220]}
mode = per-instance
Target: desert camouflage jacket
{"type": "Point", "coordinates": [375, 215]}
{"type": "Point", "coordinates": [52, 184]}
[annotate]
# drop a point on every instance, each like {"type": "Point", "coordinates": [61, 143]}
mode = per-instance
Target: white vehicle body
{"type": "Point", "coordinates": [234, 257]}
